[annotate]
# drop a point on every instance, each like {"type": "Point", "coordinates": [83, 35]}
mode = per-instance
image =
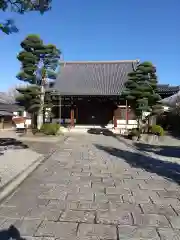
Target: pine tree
{"type": "Point", "coordinates": [39, 63]}
{"type": "Point", "coordinates": [21, 7]}
{"type": "Point", "coordinates": [141, 90]}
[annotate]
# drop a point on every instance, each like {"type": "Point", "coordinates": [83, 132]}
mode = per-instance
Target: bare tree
{"type": "Point", "coordinates": [12, 93]}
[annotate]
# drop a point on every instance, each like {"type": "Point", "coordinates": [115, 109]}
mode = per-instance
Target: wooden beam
{"type": "Point", "coordinates": [115, 120]}
{"type": "Point", "coordinates": [127, 112]}
{"type": "Point", "coordinates": [76, 114]}
{"type": "Point", "coordinates": [72, 117]}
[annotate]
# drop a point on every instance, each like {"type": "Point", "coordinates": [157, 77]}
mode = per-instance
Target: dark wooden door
{"type": "Point", "coordinates": [94, 112]}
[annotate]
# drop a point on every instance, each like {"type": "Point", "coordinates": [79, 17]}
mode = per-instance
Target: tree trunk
{"type": "Point", "coordinates": [40, 113]}
{"type": "Point", "coordinates": [34, 120]}
{"type": "Point", "coordinates": [138, 122]}
{"type": "Point", "coordinates": [152, 120]}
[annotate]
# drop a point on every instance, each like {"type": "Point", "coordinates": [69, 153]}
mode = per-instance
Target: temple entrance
{"type": "Point", "coordinates": [84, 110]}
{"type": "Point", "coordinates": [94, 112]}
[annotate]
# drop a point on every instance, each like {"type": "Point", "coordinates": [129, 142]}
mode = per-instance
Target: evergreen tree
{"type": "Point", "coordinates": [141, 90]}
{"type": "Point", "coordinates": [21, 7]}
{"type": "Point", "coordinates": [39, 63]}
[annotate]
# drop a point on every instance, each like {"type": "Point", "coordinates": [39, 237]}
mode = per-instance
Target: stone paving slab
{"type": "Point", "coordinates": [90, 194]}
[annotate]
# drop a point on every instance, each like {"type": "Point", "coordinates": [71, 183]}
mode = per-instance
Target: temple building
{"type": "Point", "coordinates": [88, 93]}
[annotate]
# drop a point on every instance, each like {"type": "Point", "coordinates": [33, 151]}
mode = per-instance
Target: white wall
{"type": "Point", "coordinates": [122, 124]}
{"type": "Point", "coordinates": [27, 121]}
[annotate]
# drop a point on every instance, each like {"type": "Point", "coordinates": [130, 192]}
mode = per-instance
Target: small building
{"type": "Point", "coordinates": [8, 109]}
{"type": "Point", "coordinates": [6, 113]}
{"type": "Point", "coordinates": [89, 93]}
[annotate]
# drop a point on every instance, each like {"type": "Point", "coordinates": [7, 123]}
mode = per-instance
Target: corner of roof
{"type": "Point", "coordinates": [138, 61]}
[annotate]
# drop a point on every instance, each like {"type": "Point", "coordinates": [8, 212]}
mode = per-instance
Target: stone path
{"type": "Point", "coordinates": [87, 191]}
{"type": "Point", "coordinates": [17, 156]}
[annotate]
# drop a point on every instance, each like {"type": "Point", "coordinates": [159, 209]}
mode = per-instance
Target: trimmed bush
{"type": "Point", "coordinates": [135, 132]}
{"type": "Point", "coordinates": [157, 130]}
{"type": "Point", "coordinates": [50, 128]}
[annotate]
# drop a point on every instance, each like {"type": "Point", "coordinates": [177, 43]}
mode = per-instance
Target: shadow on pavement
{"type": "Point", "coordinates": [10, 233]}
{"type": "Point", "coordinates": [103, 131]}
{"type": "Point", "coordinates": [41, 147]}
{"type": "Point", "coordinates": [162, 168]}
{"type": "Point", "coordinates": [163, 150]}
{"type": "Point", "coordinates": [37, 146]}
{"type": "Point", "coordinates": [174, 134]}
{"type": "Point", "coordinates": [11, 143]}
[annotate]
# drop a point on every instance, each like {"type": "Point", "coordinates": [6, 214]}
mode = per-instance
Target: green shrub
{"type": "Point", "coordinates": [157, 130]}
{"type": "Point", "coordinates": [135, 132]}
{"type": "Point", "coordinates": [50, 128]}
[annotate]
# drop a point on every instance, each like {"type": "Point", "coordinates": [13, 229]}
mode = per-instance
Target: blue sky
{"type": "Point", "coordinates": [101, 30]}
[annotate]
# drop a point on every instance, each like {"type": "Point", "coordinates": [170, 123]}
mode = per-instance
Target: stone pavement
{"type": "Point", "coordinates": [17, 156]}
{"type": "Point", "coordinates": [84, 192]}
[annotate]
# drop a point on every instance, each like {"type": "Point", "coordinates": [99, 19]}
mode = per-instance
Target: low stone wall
{"type": "Point", "coordinates": [150, 138]}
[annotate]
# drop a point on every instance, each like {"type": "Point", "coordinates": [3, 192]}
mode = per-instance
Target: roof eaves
{"type": "Point", "coordinates": [96, 62]}
{"type": "Point", "coordinates": [98, 75]}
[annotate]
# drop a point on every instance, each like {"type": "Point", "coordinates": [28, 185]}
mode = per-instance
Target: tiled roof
{"type": "Point", "coordinates": [9, 107]}
{"type": "Point", "coordinates": [99, 78]}
{"type": "Point", "coordinates": [5, 113]}
{"type": "Point", "coordinates": [8, 104]}
{"type": "Point", "coordinates": [93, 78]}
{"type": "Point", "coordinates": [166, 88]}
{"type": "Point", "coordinates": [172, 100]}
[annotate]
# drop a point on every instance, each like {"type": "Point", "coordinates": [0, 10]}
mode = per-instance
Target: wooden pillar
{"type": "Point", "coordinates": [72, 117]}
{"type": "Point", "coordinates": [60, 109]}
{"type": "Point", "coordinates": [2, 123]}
{"type": "Point", "coordinates": [76, 114]}
{"type": "Point", "coordinates": [127, 113]}
{"type": "Point", "coordinates": [115, 119]}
